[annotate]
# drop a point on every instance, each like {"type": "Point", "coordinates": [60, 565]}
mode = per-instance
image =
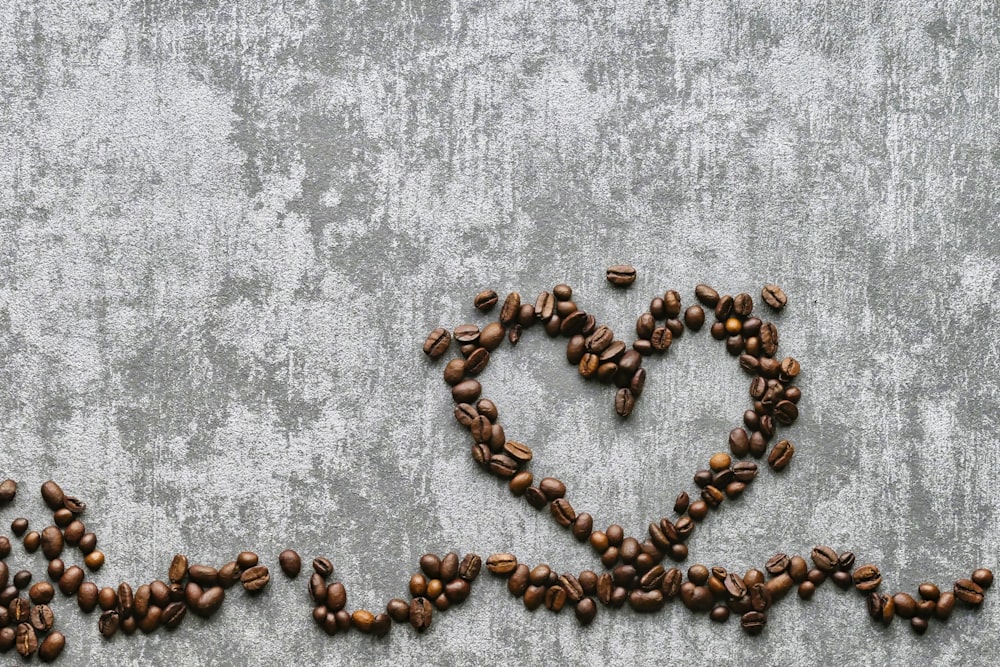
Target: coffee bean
{"type": "Point", "coordinates": [867, 578]}
{"type": "Point", "coordinates": [706, 295]}
{"type": "Point", "coordinates": [52, 494]}
{"type": "Point", "coordinates": [255, 578]}
{"type": "Point", "coordinates": [743, 304]}
{"type": "Point", "coordinates": [469, 568]}
{"type": "Point", "coordinates": [52, 647]}
{"type": "Point", "coordinates": [69, 582]}
{"type": "Point", "coordinates": [753, 622]}
{"type": "Point", "coordinates": [774, 296]}
{"type": "Point", "coordinates": [503, 466]}
{"type": "Point", "coordinates": [86, 597]}
{"type": "Point", "coordinates": [982, 578]}
{"type": "Point", "coordinates": [449, 567]}
{"type": "Point", "coordinates": [8, 490]}
{"type": "Point", "coordinates": [420, 614]}
{"type": "Point", "coordinates": [42, 592]}
{"type": "Point", "coordinates": [646, 601]}
{"type": "Point", "coordinates": [437, 343]}
{"type": "Point", "coordinates": [502, 564]}
{"type": "Point", "coordinates": [545, 306]}
{"type": "Point", "coordinates": [555, 598]}
{"type": "Point", "coordinates": [94, 560]}
{"type": "Point", "coordinates": [694, 317]}
{"type": "Point", "coordinates": [25, 641]}
{"type": "Point", "coordinates": [563, 512]}
{"type": "Point", "coordinates": [336, 596]}
{"type": "Point", "coordinates": [624, 402]}
{"type": "Point", "coordinates": [485, 300]}
{"type": "Point", "coordinates": [945, 603]}
{"type": "Point", "coordinates": [290, 563]}
{"type": "Point", "coordinates": [781, 454]}
{"type": "Point", "coordinates": [777, 564]}
{"type": "Point", "coordinates": [573, 324]}
{"type": "Point", "coordinates": [768, 339]}
{"type": "Point", "coordinates": [825, 558]}
{"type": "Point", "coordinates": [906, 606]}
{"type": "Point", "coordinates": [41, 618]}
{"type": "Point", "coordinates": [786, 412]}
{"type": "Point", "coordinates": [968, 591]}
{"type": "Point", "coordinates": [511, 309]}
{"type": "Point", "coordinates": [32, 540]}
{"type": "Point", "coordinates": [586, 611]}
{"type": "Point", "coordinates": [621, 275]}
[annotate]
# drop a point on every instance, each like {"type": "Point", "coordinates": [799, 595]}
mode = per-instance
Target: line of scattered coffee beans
{"type": "Point", "coordinates": [636, 574]}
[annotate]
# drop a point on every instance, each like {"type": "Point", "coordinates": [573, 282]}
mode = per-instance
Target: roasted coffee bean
{"type": "Point", "coordinates": [19, 610]}
{"type": "Point", "coordinates": [533, 597]}
{"type": "Point", "coordinates": [4, 546]}
{"type": "Point", "coordinates": [255, 578]}
{"type": "Point", "coordinates": [173, 615]}
{"type": "Point", "coordinates": [519, 580]}
{"type": "Point", "coordinates": [19, 526]}
{"type": "Point", "coordinates": [735, 345]}
{"type": "Point", "coordinates": [588, 365]}
{"type": "Point", "coordinates": [706, 295]}
{"type": "Point", "coordinates": [336, 596]}
{"type": "Point", "coordinates": [573, 324]}
{"type": "Point", "coordinates": [555, 598]}
{"type": "Point", "coordinates": [644, 325]}
{"type": "Point", "coordinates": [786, 412]}
{"type": "Point", "coordinates": [22, 578]}
{"type": "Point", "coordinates": [777, 564]}
{"type": "Point", "coordinates": [600, 340]}
{"type": "Point", "coordinates": [41, 618]}
{"type": "Point", "coordinates": [945, 603]}
{"type": "Point", "coordinates": [925, 608]}
{"type": "Point", "coordinates": [535, 497]}
{"type": "Point", "coordinates": [806, 590]}
{"type": "Point", "coordinates": [968, 591]}
{"type": "Point", "coordinates": [545, 306]}
{"type": "Point", "coordinates": [52, 494]}
{"type": "Point", "coordinates": [867, 578]}
{"type": "Point", "coordinates": [702, 478]}
{"type": "Point", "coordinates": [431, 566]}
{"type": "Point", "coordinates": [454, 372]}
{"type": "Point", "coordinates": [621, 275]}
{"type": "Point", "coordinates": [511, 309]}
{"type": "Point", "coordinates": [502, 564]}
{"type": "Point", "coordinates": [466, 333]}
{"type": "Point", "coordinates": [825, 558]}
{"type": "Point", "coordinates": [8, 490]}
{"type": "Point", "coordinates": [781, 584]}
{"type": "Point", "coordinates": [694, 317]}
{"type": "Point", "coordinates": [552, 326]}
{"type": "Point", "coordinates": [86, 597]}
{"type": "Point", "coordinates": [712, 496]}
{"type": "Point", "coordinates": [982, 578]}
{"type": "Point", "coordinates": [906, 606]}
{"type": "Point", "coordinates": [624, 402]}
{"type": "Point", "coordinates": [42, 592]}
{"type": "Point", "coordinates": [449, 567]}
{"type": "Point", "coordinates": [563, 512]}
{"type": "Point", "coordinates": [743, 304]}
{"type": "Point", "coordinates": [503, 466]}
{"type": "Point", "coordinates": [141, 601]}
{"type": "Point", "coordinates": [32, 540]}
{"type": "Point", "coordinates": [774, 296]}
{"type": "Point", "coordinates": [745, 471]}
{"type": "Point", "coordinates": [929, 591]}
{"type": "Point", "coordinates": [485, 300]}
{"type": "Point", "coordinates": [420, 614]}
{"type": "Point", "coordinates": [724, 308]}
{"type": "Point", "coordinates": [735, 586]}
{"type": "Point", "coordinates": [469, 568]}
{"type": "Point", "coordinates": [753, 622]}
{"type": "Point", "coordinates": [178, 568]}
{"type": "Point", "coordinates": [25, 640]}
{"type": "Point", "coordinates": [52, 647]}
{"type": "Point", "coordinates": [575, 349]}
{"type": "Point", "coordinates": [583, 526]}
{"type": "Point", "coordinates": [398, 610]}
{"type": "Point", "coordinates": [646, 601]}
{"type": "Point", "coordinates": [437, 343]}
{"type": "Point", "coordinates": [841, 579]}
{"type": "Point", "coordinates": [94, 560]}
{"type": "Point", "coordinates": [781, 454]}
{"type": "Point", "coordinates": [762, 595]}
{"type": "Point", "coordinates": [56, 568]}
{"type": "Point", "coordinates": [586, 611]}
{"type": "Point", "coordinates": [768, 339]}
{"type": "Point", "coordinates": [69, 582]}
{"type": "Point", "coordinates": [62, 517]}
{"type": "Point", "coordinates": [739, 443]}
{"type": "Point", "coordinates": [881, 608]}
{"type": "Point", "coordinates": [788, 370]}
{"type": "Point", "coordinates": [290, 563]}
{"type": "Point", "coordinates": [653, 578]}
{"type": "Point", "coordinates": [363, 620]}
{"type": "Point", "coordinates": [108, 624]}
{"type": "Point", "coordinates": [418, 585]}
{"type": "Point", "coordinates": [520, 482]}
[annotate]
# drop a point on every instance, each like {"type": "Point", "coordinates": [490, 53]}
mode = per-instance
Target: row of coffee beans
{"type": "Point", "coordinates": [637, 575]}
{"type": "Point", "coordinates": [440, 584]}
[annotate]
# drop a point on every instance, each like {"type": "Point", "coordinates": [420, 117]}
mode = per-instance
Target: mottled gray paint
{"type": "Point", "coordinates": [226, 229]}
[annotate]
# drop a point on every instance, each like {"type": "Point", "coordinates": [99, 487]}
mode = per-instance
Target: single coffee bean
{"type": "Point", "coordinates": [918, 624]}
{"type": "Point", "coordinates": [420, 614]}
{"type": "Point", "coordinates": [42, 592]}
{"type": "Point", "coordinates": [982, 578]}
{"type": "Point", "coordinates": [753, 622]}
{"type": "Point", "coordinates": [87, 543]}
{"type": "Point", "coordinates": [485, 300]}
{"type": "Point", "coordinates": [743, 304]}
{"type": "Point", "coordinates": [694, 317]}
{"type": "Point", "coordinates": [56, 568]}
{"type": "Point", "coordinates": [25, 641]}
{"type": "Point", "coordinates": [841, 579]}
{"type": "Point", "coordinates": [545, 306]}
{"type": "Point", "coordinates": [906, 606]}
{"type": "Point", "coordinates": [290, 563]}
{"type": "Point", "coordinates": [8, 490]}
{"type": "Point", "coordinates": [178, 568]}
{"type": "Point", "coordinates": [646, 601]}
{"type": "Point", "coordinates": [586, 611]}
{"type": "Point", "coordinates": [555, 598]}
{"type": "Point", "coordinates": [526, 316]}
{"type": "Point", "coordinates": [781, 454]}
{"type": "Point", "coordinates": [519, 580]}
{"type": "Point", "coordinates": [255, 578]}
{"type": "Point", "coordinates": [86, 597]}
{"type": "Point", "coordinates": [94, 560]}
{"type": "Point", "coordinates": [173, 615]}
{"type": "Point", "coordinates": [398, 610]}
{"type": "Point", "coordinates": [867, 578]}
{"type": "Point", "coordinates": [945, 603]}
{"type": "Point", "coordinates": [69, 582]}
{"type": "Point", "coordinates": [968, 591]}
{"type": "Point", "coordinates": [773, 296]}
{"type": "Point", "coordinates": [431, 565]}
{"type": "Point", "coordinates": [52, 646]}
{"type": "Point", "coordinates": [437, 343]}
{"type": "Point", "coordinates": [777, 564]}
{"type": "Point", "coordinates": [706, 295]}
{"type": "Point", "coordinates": [563, 512]}
{"type": "Point", "coordinates": [22, 578]}
{"type": "Point", "coordinates": [503, 466]}
{"type": "Point", "coordinates": [41, 618]}
{"type": "Point", "coordinates": [62, 517]}
{"type": "Point", "coordinates": [206, 575]}
{"type": "Point", "coordinates": [644, 325]}
{"type": "Point", "coordinates": [786, 412]}
{"type": "Point", "coordinates": [19, 526]}
{"type": "Point", "coordinates": [336, 596]}
{"type": "Point", "coordinates": [52, 494]}
{"type": "Point", "coordinates": [825, 558]}
{"type": "Point", "coordinates": [363, 620]}
{"type": "Point", "coordinates": [511, 309]}
{"type": "Point", "coordinates": [32, 540]}
{"type": "Point", "coordinates": [449, 567]}
{"type": "Point", "coordinates": [768, 339]}
{"type": "Point", "coordinates": [624, 402]}
{"type": "Point", "coordinates": [621, 275]}
{"type": "Point", "coordinates": [925, 608]}
{"type": "Point", "coordinates": [573, 324]}
{"type": "Point", "coordinates": [582, 526]}
{"type": "Point", "coordinates": [929, 591]}
{"type": "Point", "coordinates": [502, 564]}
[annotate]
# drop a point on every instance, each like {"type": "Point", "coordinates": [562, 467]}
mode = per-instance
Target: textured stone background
{"type": "Point", "coordinates": [227, 229]}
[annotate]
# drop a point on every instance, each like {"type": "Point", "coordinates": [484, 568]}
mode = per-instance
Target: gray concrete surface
{"type": "Point", "coordinates": [227, 227]}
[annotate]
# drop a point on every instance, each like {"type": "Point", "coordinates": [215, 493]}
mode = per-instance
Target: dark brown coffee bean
{"type": "Point", "coordinates": [881, 608]}
{"type": "Point", "coordinates": [845, 561]}
{"type": "Point", "coordinates": [535, 497]}
{"type": "Point", "coordinates": [786, 412]}
{"type": "Point", "coordinates": [646, 601]}
{"type": "Point", "coordinates": [41, 618]}
{"type": "Point", "coordinates": [51, 648]}
{"type": "Point", "coordinates": [734, 345]}
{"type": "Point", "coordinates": [466, 391]}
{"type": "Point", "coordinates": [86, 597]}
{"type": "Point", "coordinates": [982, 577]}
{"type": "Point", "coordinates": [42, 592]}
{"type": "Point", "coordinates": [573, 324]}
{"type": "Point", "coordinates": [724, 308]}
{"type": "Point", "coordinates": [173, 615]}
{"type": "Point", "coordinates": [925, 608]}
{"type": "Point", "coordinates": [255, 578]}
{"type": "Point", "coordinates": [734, 586]}
{"type": "Point", "coordinates": [777, 564]}
{"type": "Point", "coordinates": [52, 494]}
{"type": "Point", "coordinates": [968, 591]}
{"type": "Point", "coordinates": [178, 568]}
{"type": "Point", "coordinates": [706, 295]}
{"type": "Point", "coordinates": [25, 640]}
{"type": "Point", "coordinates": [449, 567]}
{"type": "Point", "coordinates": [563, 512]}
{"type": "Point", "coordinates": [555, 598]}
{"type": "Point", "coordinates": [624, 402]}
{"type": "Point", "coordinates": [398, 610]}
{"type": "Point", "coordinates": [841, 579]}
{"type": "Point", "coordinates": [768, 339]}
{"type": "Point", "coordinates": [56, 568]}
{"type": "Point", "coordinates": [621, 275]}
{"type": "Point", "coordinates": [511, 309]}
{"type": "Point", "coordinates": [545, 306]}
{"type": "Point", "coordinates": [583, 526]}
{"type": "Point", "coordinates": [420, 614]}
{"type": "Point", "coordinates": [806, 590]}
{"type": "Point", "coordinates": [929, 591]}
{"type": "Point", "coordinates": [781, 454]}
{"type": "Point", "coordinates": [418, 585]}
{"type": "Point", "coordinates": [762, 595]}
{"type": "Point", "coordinates": [457, 590]}
{"type": "Point", "coordinates": [694, 317]}
{"type": "Point", "coordinates": [533, 597]}
{"type": "Point", "coordinates": [19, 610]}
{"type": "Point", "coordinates": [485, 300]}
{"type": "Point", "coordinates": [945, 603]}
{"type": "Point", "coordinates": [586, 611]}
{"type": "Point", "coordinates": [22, 578]}
{"type": "Point", "coordinates": [743, 304]}
{"type": "Point", "coordinates": [469, 568]}
{"type": "Point", "coordinates": [8, 490]}
{"type": "Point", "coordinates": [520, 482]}
{"type": "Point", "coordinates": [290, 563]}
{"type": "Point", "coordinates": [94, 560]}
{"type": "Point", "coordinates": [867, 578]}
{"type": "Point", "coordinates": [336, 596]}
{"type": "Point", "coordinates": [906, 606]}
{"type": "Point", "coordinates": [69, 582]}
{"type": "Point", "coordinates": [600, 340]}
{"type": "Point", "coordinates": [437, 343]}
{"type": "Point", "coordinates": [32, 540]}
{"type": "Point", "coordinates": [519, 580]}
{"type": "Point", "coordinates": [712, 496]}
{"type": "Point", "coordinates": [774, 296]}
{"type": "Point", "coordinates": [503, 466]}
{"type": "Point", "coordinates": [753, 622]}
{"type": "Point", "coordinates": [825, 558]}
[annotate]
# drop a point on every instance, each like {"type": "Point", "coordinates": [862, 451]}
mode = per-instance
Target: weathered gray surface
{"type": "Point", "coordinates": [226, 231]}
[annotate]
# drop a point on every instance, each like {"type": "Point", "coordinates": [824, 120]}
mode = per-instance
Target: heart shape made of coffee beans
{"type": "Point", "coordinates": [636, 574]}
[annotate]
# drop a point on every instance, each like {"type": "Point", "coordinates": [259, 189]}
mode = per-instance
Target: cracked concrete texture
{"type": "Point", "coordinates": [226, 229]}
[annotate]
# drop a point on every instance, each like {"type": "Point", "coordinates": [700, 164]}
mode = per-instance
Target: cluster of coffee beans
{"type": "Point", "coordinates": [440, 584]}
{"type": "Point", "coordinates": [636, 573]}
